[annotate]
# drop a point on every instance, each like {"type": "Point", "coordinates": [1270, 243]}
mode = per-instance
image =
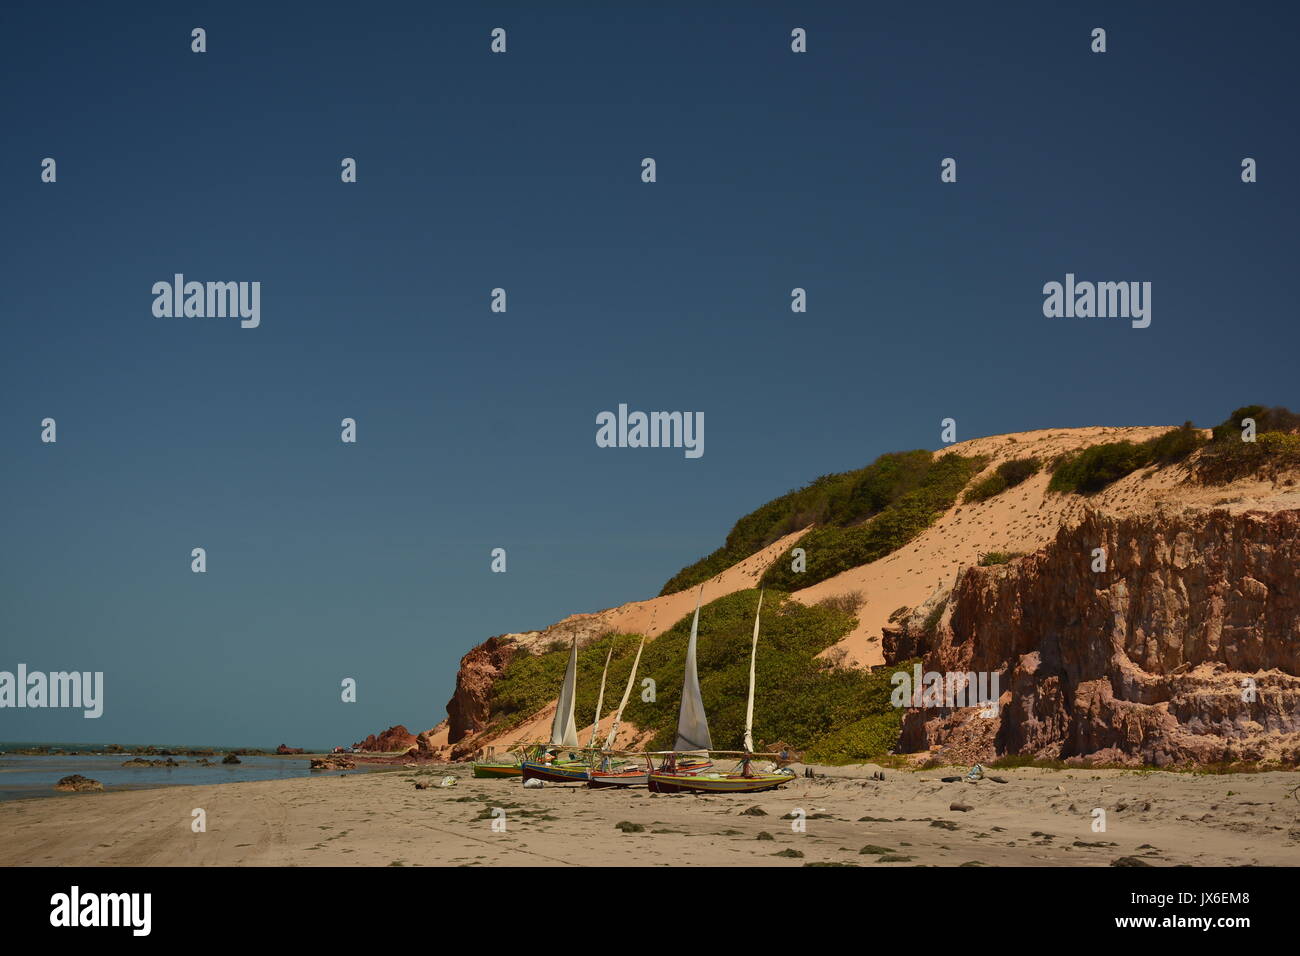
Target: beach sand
{"type": "Point", "coordinates": [1037, 818]}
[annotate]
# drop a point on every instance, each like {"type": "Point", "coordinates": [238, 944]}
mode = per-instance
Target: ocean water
{"type": "Point", "coordinates": [23, 776]}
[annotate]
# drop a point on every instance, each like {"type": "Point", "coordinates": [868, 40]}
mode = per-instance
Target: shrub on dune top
{"type": "Point", "coordinates": [1093, 468]}
{"type": "Point", "coordinates": [1006, 475]}
{"type": "Point", "coordinates": [1276, 446]}
{"type": "Point", "coordinates": [841, 499]}
{"type": "Point", "coordinates": [831, 549]}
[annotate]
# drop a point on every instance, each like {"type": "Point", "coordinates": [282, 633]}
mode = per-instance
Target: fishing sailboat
{"type": "Point", "coordinates": [564, 734]}
{"type": "Point", "coordinates": [693, 738]}
{"type": "Point", "coordinates": [608, 775]}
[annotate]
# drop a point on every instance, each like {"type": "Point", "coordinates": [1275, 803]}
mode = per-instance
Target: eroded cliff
{"type": "Point", "coordinates": [1184, 649]}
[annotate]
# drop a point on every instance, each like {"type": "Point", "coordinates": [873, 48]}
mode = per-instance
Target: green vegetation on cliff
{"type": "Point", "coordinates": [831, 549]}
{"type": "Point", "coordinates": [839, 499]}
{"type": "Point", "coordinates": [1223, 457]}
{"type": "Point", "coordinates": [860, 516]}
{"type": "Point", "coordinates": [1276, 446]}
{"type": "Point", "coordinates": [1091, 469]}
{"type": "Point", "coordinates": [1006, 475]}
{"type": "Point", "coordinates": [803, 702]}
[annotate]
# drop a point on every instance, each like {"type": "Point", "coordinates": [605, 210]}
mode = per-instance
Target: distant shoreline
{"type": "Point", "coordinates": [68, 748]}
{"type": "Point", "coordinates": [26, 776]}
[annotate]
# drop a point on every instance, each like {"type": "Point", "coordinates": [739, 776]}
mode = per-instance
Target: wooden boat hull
{"type": "Point", "coordinates": [553, 773]}
{"type": "Point", "coordinates": [637, 778]}
{"type": "Point", "coordinates": [633, 779]}
{"type": "Point", "coordinates": [497, 771]}
{"type": "Point", "coordinates": [716, 783]}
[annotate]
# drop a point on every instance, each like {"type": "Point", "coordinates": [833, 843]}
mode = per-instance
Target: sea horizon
{"type": "Point", "coordinates": [7, 746]}
{"type": "Point", "coordinates": [26, 775]}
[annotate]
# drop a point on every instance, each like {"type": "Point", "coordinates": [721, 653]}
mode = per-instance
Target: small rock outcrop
{"type": "Point", "coordinates": [333, 762]}
{"type": "Point", "coordinates": [76, 783]}
{"type": "Point", "coordinates": [396, 739]}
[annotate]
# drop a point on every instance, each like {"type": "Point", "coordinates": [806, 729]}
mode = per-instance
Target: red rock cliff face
{"type": "Point", "coordinates": [467, 711]}
{"type": "Point", "coordinates": [1141, 663]}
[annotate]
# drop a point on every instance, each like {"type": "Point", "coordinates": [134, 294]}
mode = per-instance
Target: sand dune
{"type": "Point", "coordinates": [656, 615]}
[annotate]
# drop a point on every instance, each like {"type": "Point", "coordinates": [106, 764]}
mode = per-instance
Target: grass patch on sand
{"type": "Point", "coordinates": [999, 557]}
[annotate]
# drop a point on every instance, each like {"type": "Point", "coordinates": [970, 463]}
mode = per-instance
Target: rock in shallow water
{"type": "Point", "coordinates": [76, 783]}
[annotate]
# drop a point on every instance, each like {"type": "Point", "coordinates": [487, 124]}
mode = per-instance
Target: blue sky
{"type": "Point", "coordinates": [522, 171]}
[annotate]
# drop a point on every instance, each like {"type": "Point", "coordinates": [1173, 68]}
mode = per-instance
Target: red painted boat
{"type": "Point", "coordinates": [638, 778]}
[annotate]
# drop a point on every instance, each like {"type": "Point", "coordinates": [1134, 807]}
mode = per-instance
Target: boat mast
{"type": "Point", "coordinates": [749, 707]}
{"type": "Point", "coordinates": [600, 698]}
{"type": "Point", "coordinates": [627, 692]}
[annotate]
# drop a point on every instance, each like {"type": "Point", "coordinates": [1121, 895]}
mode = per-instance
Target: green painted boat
{"type": "Point", "coordinates": [490, 769]}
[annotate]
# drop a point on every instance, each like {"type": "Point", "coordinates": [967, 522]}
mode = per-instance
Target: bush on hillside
{"type": "Point", "coordinates": [1091, 469]}
{"type": "Point", "coordinates": [1276, 446]}
{"type": "Point", "coordinates": [1006, 475]}
{"type": "Point", "coordinates": [848, 602]}
{"type": "Point", "coordinates": [831, 549]}
{"type": "Point", "coordinates": [861, 740]}
{"type": "Point", "coordinates": [1176, 444]}
{"type": "Point", "coordinates": [1275, 419]}
{"type": "Point", "coordinates": [840, 499]}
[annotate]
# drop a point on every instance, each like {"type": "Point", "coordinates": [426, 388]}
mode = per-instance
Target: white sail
{"type": "Point", "coordinates": [749, 707]}
{"type": "Point", "coordinates": [627, 692]}
{"type": "Point", "coordinates": [564, 732]}
{"type": "Point", "coordinates": [692, 723]}
{"type": "Point", "coordinates": [600, 697]}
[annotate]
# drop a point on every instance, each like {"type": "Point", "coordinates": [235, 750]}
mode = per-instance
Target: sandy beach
{"type": "Point", "coordinates": [1036, 818]}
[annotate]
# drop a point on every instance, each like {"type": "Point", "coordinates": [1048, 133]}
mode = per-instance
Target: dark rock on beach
{"type": "Point", "coordinates": [335, 762]}
{"type": "Point", "coordinates": [76, 783]}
